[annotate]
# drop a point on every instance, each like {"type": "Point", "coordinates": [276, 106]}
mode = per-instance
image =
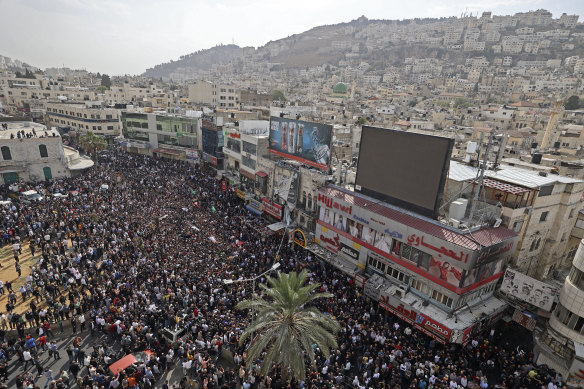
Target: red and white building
{"type": "Point", "coordinates": [436, 277]}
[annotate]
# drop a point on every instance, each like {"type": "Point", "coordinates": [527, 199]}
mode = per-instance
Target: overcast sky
{"type": "Point", "coordinates": [128, 36]}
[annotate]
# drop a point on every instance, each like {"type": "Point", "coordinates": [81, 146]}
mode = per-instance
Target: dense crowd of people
{"type": "Point", "coordinates": [140, 248]}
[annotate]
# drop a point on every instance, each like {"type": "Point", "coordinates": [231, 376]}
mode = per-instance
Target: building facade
{"type": "Point", "coordinates": [561, 345]}
{"type": "Point", "coordinates": [434, 276]}
{"type": "Point", "coordinates": [165, 135]}
{"type": "Point", "coordinates": [30, 152]}
{"type": "Point", "coordinates": [83, 117]}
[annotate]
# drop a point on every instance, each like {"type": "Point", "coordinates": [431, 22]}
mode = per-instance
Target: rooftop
{"type": "Point", "coordinates": [473, 240]}
{"type": "Point", "coordinates": [509, 174]}
{"type": "Point", "coordinates": [15, 127]}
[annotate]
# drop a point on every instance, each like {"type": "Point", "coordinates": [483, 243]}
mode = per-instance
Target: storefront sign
{"type": "Point", "coordinates": [272, 209]}
{"type": "Point", "coordinates": [415, 240]}
{"type": "Point", "coordinates": [254, 206]}
{"type": "Point", "coordinates": [409, 314]}
{"type": "Point", "coordinates": [496, 251]}
{"type": "Point", "coordinates": [331, 203]}
{"type": "Point", "coordinates": [235, 135]}
{"type": "Point", "coordinates": [349, 251]}
{"type": "Point", "coordinates": [192, 155]}
{"type": "Point", "coordinates": [300, 238]}
{"type": "Point", "coordinates": [331, 244]}
{"type": "Point", "coordinates": [240, 194]}
{"type": "Point", "coordinates": [210, 158]}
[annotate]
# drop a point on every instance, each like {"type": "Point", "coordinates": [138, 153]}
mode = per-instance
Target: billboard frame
{"type": "Point", "coordinates": [431, 213]}
{"type": "Point", "coordinates": [322, 166]}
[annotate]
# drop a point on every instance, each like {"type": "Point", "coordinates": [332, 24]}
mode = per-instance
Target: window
{"type": "Point", "coordinates": [543, 216]}
{"type": "Point", "coordinates": [43, 151]}
{"type": "Point", "coordinates": [310, 201]}
{"type": "Point", "coordinates": [546, 190]}
{"type": "Point", "coordinates": [571, 213]}
{"type": "Point", "coordinates": [249, 148]}
{"type": "Point", "coordinates": [518, 225]}
{"type": "Point", "coordinates": [6, 153]}
{"type": "Point", "coordinates": [304, 199]}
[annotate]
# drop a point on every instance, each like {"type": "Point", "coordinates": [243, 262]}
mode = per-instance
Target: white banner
{"type": "Point", "coordinates": [529, 289]}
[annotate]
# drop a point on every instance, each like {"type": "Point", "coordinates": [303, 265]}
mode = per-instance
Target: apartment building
{"type": "Point", "coordinates": [213, 94]}
{"type": "Point", "coordinates": [83, 117]}
{"type": "Point", "coordinates": [561, 344]}
{"type": "Point", "coordinates": [540, 207]}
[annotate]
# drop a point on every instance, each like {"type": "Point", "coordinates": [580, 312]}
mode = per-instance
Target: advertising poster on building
{"type": "Point", "coordinates": [524, 319]}
{"type": "Point", "coordinates": [303, 141]}
{"type": "Point", "coordinates": [528, 289]}
{"type": "Point", "coordinates": [445, 271]}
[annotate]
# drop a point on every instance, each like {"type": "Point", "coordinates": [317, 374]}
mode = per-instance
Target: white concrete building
{"type": "Point", "coordinates": [561, 346]}
{"type": "Point", "coordinates": [30, 152]}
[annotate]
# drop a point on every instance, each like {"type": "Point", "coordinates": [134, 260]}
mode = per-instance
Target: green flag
{"type": "Point", "coordinates": [213, 209]}
{"type": "Point", "coordinates": [192, 191]}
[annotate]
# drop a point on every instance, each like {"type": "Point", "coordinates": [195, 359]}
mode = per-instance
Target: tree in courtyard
{"type": "Point", "coordinates": [92, 143]}
{"type": "Point", "coordinates": [573, 102]}
{"type": "Point", "coordinates": [287, 328]}
{"type": "Point", "coordinates": [278, 95]}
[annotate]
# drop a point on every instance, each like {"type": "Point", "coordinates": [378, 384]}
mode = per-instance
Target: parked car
{"type": "Point", "coordinates": [31, 196]}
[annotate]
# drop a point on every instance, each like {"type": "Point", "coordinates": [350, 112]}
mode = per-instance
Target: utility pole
{"type": "Point", "coordinates": [481, 176]}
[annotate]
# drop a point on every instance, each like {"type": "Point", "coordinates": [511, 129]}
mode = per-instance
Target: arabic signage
{"type": "Point", "coordinates": [272, 209]}
{"type": "Point", "coordinates": [524, 319]}
{"type": "Point", "coordinates": [210, 158]}
{"type": "Point", "coordinates": [428, 325]}
{"type": "Point", "coordinates": [528, 289]}
{"type": "Point", "coordinates": [192, 155]}
{"type": "Point", "coordinates": [300, 238]}
{"type": "Point", "coordinates": [255, 205]}
{"type": "Point", "coordinates": [331, 244]}
{"type": "Point", "coordinates": [369, 227]}
{"type": "Point", "coordinates": [240, 194]}
{"type": "Point", "coordinates": [350, 252]}
{"type": "Point", "coordinates": [303, 141]}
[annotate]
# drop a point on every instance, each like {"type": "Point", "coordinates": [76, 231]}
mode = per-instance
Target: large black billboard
{"type": "Point", "coordinates": [403, 168]}
{"type": "Point", "coordinates": [303, 141]}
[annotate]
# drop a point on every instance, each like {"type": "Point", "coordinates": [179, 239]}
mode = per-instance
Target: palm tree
{"type": "Point", "coordinates": [286, 326]}
{"type": "Point", "coordinates": [92, 143]}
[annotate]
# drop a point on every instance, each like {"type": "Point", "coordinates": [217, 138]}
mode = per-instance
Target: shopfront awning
{"type": "Point", "coordinates": [247, 174]}
{"type": "Point", "coordinates": [261, 174]}
{"type": "Point", "coordinates": [277, 226]}
{"type": "Point", "coordinates": [168, 151]}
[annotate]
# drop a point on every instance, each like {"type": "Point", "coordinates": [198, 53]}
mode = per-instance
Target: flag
{"type": "Point", "coordinates": [192, 191]}
{"type": "Point", "coordinates": [213, 209]}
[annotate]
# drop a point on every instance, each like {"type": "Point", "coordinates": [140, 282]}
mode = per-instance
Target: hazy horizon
{"type": "Point", "coordinates": [128, 36]}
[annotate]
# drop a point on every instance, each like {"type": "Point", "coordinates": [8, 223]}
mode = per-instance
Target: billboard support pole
{"type": "Point", "coordinates": [481, 177]}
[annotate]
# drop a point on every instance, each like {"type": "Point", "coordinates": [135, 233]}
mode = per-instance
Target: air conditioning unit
{"type": "Point", "coordinates": [400, 291]}
{"type": "Point", "coordinates": [454, 223]}
{"type": "Point", "coordinates": [528, 210]}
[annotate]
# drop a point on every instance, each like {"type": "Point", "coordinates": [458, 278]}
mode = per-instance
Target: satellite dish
{"type": "Point", "coordinates": [498, 223]}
